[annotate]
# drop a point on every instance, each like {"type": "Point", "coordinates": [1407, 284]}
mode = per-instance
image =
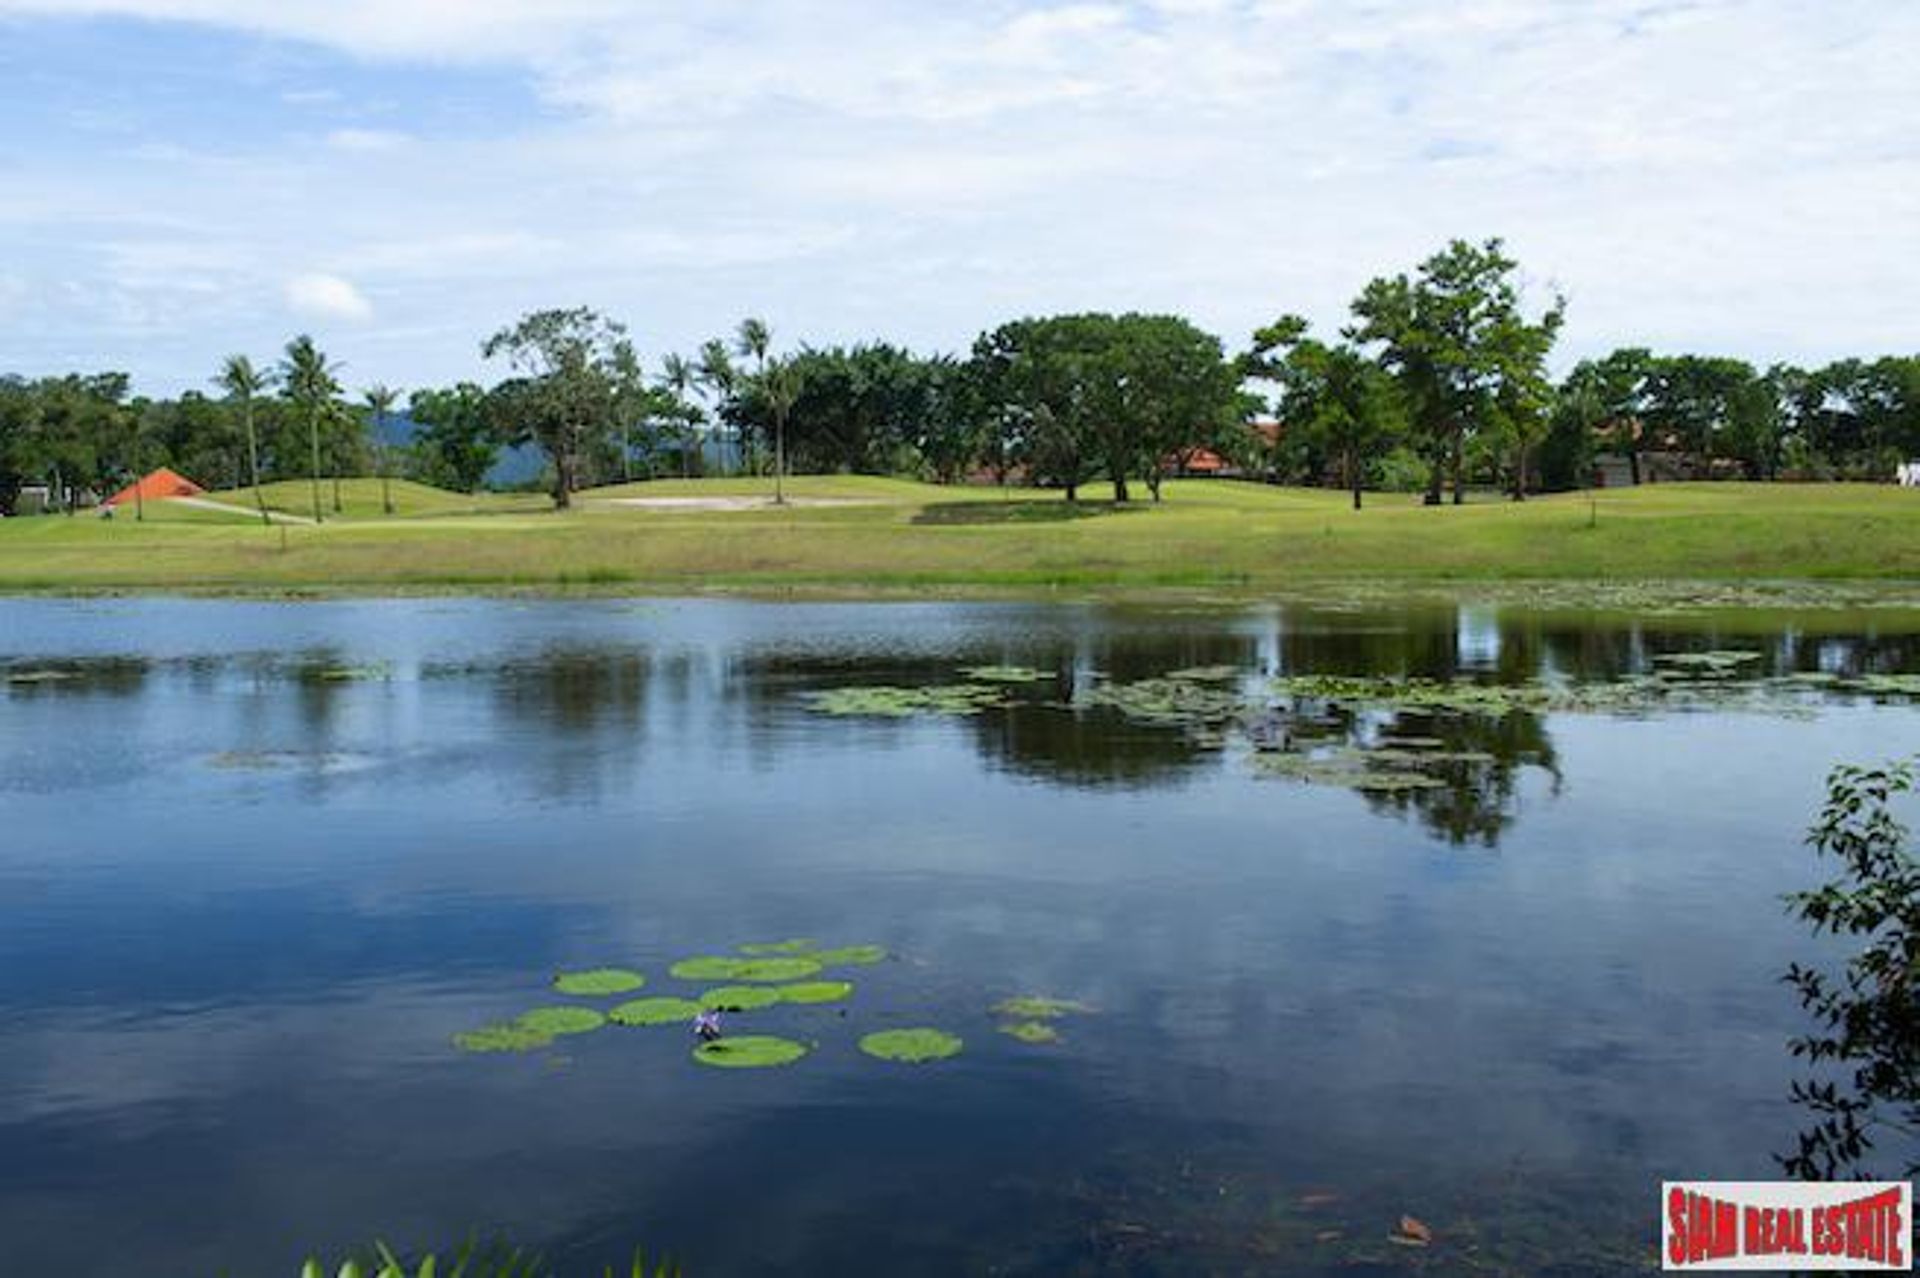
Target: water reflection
{"type": "Point", "coordinates": [262, 862]}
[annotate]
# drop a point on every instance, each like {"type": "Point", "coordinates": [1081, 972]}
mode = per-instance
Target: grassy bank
{"type": "Point", "coordinates": [878, 535]}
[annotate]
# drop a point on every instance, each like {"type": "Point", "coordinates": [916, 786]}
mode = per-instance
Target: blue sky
{"type": "Point", "coordinates": [184, 178]}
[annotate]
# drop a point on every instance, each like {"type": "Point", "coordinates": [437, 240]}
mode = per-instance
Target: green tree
{"type": "Point", "coordinates": [678, 378]}
{"type": "Point", "coordinates": [454, 445]}
{"type": "Point", "coordinates": [379, 400]}
{"type": "Point", "coordinates": [753, 339]}
{"type": "Point", "coordinates": [1866, 1044]}
{"type": "Point", "coordinates": [1333, 395]}
{"type": "Point", "coordinates": [577, 368]}
{"type": "Point", "coordinates": [719, 379]}
{"type": "Point", "coordinates": [780, 384]}
{"type": "Point", "coordinates": [1455, 337]}
{"type": "Point", "coordinates": [311, 383]}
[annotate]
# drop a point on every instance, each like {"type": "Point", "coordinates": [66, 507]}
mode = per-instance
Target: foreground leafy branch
{"type": "Point", "coordinates": [1867, 1040]}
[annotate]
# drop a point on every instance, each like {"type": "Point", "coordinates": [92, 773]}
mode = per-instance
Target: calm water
{"type": "Point", "coordinates": [245, 902]}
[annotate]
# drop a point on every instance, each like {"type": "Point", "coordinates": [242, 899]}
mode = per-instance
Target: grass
{"type": "Point", "coordinates": [887, 535]}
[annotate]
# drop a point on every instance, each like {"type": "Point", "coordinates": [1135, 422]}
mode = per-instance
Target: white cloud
{"type": "Point", "coordinates": [366, 140]}
{"type": "Point", "coordinates": [326, 297]}
{"type": "Point", "coordinates": [1731, 175]}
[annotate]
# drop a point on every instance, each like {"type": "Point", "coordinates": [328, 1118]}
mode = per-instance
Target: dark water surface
{"type": "Point", "coordinates": [260, 862]}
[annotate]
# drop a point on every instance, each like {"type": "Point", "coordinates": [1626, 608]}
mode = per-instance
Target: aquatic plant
{"type": "Point", "coordinates": [795, 945]}
{"type": "Point", "coordinates": [1348, 768]}
{"type": "Point", "coordinates": [740, 998]}
{"type": "Point", "coordinates": [598, 982]}
{"type": "Point", "coordinates": [1168, 702]}
{"type": "Point", "coordinates": [899, 703]}
{"type": "Point", "coordinates": [750, 1051]}
{"type": "Point", "coordinates": [1005, 674]}
{"type": "Point", "coordinates": [555, 1021]}
{"type": "Point", "coordinates": [911, 1046]}
{"type": "Point", "coordinates": [805, 992]}
{"type": "Point", "coordinates": [715, 967]}
{"type": "Point", "coordinates": [850, 956]}
{"type": "Point", "coordinates": [1207, 674]}
{"type": "Point", "coordinates": [654, 1011]}
{"type": "Point", "coordinates": [471, 1260]}
{"type": "Point", "coordinates": [1031, 1031]}
{"type": "Point", "coordinates": [502, 1036]}
{"type": "Point", "coordinates": [1036, 1007]}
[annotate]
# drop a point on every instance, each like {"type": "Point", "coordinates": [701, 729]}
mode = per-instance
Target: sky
{"type": "Point", "coordinates": [183, 179]}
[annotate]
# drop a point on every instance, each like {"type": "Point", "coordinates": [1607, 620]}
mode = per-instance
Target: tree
{"type": "Point", "coordinates": [1333, 395]}
{"type": "Point", "coordinates": [678, 377]}
{"type": "Point", "coordinates": [1079, 395]}
{"type": "Point", "coordinates": [780, 384]}
{"type": "Point", "coordinates": [574, 366]}
{"type": "Point", "coordinates": [1868, 1015]}
{"type": "Point", "coordinates": [455, 445]}
{"type": "Point", "coordinates": [753, 339]}
{"type": "Point", "coordinates": [379, 400]}
{"type": "Point", "coordinates": [720, 379]}
{"type": "Point", "coordinates": [311, 382]}
{"type": "Point", "coordinates": [1454, 337]}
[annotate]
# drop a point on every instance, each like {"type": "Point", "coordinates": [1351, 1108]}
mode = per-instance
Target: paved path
{"type": "Point", "coordinates": [251, 512]}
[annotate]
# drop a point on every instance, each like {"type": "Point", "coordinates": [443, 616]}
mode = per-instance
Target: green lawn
{"type": "Point", "coordinates": [882, 535]}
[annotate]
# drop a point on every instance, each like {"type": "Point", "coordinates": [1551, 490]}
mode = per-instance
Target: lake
{"type": "Point", "coordinates": [1496, 944]}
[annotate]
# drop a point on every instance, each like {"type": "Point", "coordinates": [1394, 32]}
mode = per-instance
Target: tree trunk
{"type": "Point", "coordinates": [253, 465]}
{"type": "Point", "coordinates": [1073, 491]}
{"type": "Point", "coordinates": [779, 460]}
{"type": "Point", "coordinates": [313, 474]}
{"type": "Point", "coordinates": [1120, 489]}
{"type": "Point", "coordinates": [1460, 468]}
{"type": "Point", "coordinates": [563, 479]}
{"type": "Point", "coordinates": [1436, 475]}
{"type": "Point", "coordinates": [1153, 485]}
{"type": "Point", "coordinates": [1353, 478]}
{"type": "Point", "coordinates": [1633, 464]}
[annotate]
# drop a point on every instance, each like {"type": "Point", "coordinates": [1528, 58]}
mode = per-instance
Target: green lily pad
{"type": "Point", "coordinates": [1035, 1007]}
{"type": "Point", "coordinates": [655, 1011]}
{"type": "Point", "coordinates": [850, 956]}
{"type": "Point", "coordinates": [741, 998]}
{"type": "Point", "coordinates": [911, 1046]}
{"type": "Point", "coordinates": [814, 991]}
{"type": "Point", "coordinates": [555, 1021]}
{"type": "Point", "coordinates": [901, 703]}
{"type": "Point", "coordinates": [1004, 674]}
{"type": "Point", "coordinates": [750, 1051]}
{"type": "Point", "coordinates": [1031, 1031]}
{"type": "Point", "coordinates": [1206, 674]}
{"type": "Point", "coordinates": [722, 968]}
{"type": "Point", "coordinates": [502, 1036]}
{"type": "Point", "coordinates": [796, 945]}
{"type": "Point", "coordinates": [598, 982]}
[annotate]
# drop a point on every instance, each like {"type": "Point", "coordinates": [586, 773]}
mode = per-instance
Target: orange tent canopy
{"type": "Point", "coordinates": [158, 486]}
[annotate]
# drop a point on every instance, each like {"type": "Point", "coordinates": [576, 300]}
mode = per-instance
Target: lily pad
{"type": "Point", "coordinates": [502, 1036]}
{"type": "Point", "coordinates": [850, 956]}
{"type": "Point", "coordinates": [740, 998]}
{"type": "Point", "coordinates": [1031, 1031]}
{"type": "Point", "coordinates": [795, 945]}
{"type": "Point", "coordinates": [1206, 674]}
{"type": "Point", "coordinates": [723, 968]}
{"type": "Point", "coordinates": [813, 991]}
{"type": "Point", "coordinates": [750, 1051]}
{"type": "Point", "coordinates": [1034, 1007]}
{"type": "Point", "coordinates": [555, 1021]}
{"type": "Point", "coordinates": [901, 703]}
{"type": "Point", "coordinates": [598, 982]}
{"type": "Point", "coordinates": [912, 1046]}
{"type": "Point", "coordinates": [1004, 674]}
{"type": "Point", "coordinates": [655, 1011]}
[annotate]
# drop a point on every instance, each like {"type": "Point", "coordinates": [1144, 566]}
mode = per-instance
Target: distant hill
{"type": "Point", "coordinates": [516, 467]}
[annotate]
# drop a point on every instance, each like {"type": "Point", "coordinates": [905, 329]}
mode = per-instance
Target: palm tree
{"type": "Point", "coordinates": [677, 378]}
{"type": "Point", "coordinates": [720, 379]}
{"type": "Point", "coordinates": [780, 382]}
{"type": "Point", "coordinates": [242, 382]}
{"type": "Point", "coordinates": [311, 384]}
{"type": "Point", "coordinates": [754, 338]}
{"type": "Point", "coordinates": [380, 402]}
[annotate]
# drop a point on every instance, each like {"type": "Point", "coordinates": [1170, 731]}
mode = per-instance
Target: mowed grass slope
{"type": "Point", "coordinates": [869, 534]}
